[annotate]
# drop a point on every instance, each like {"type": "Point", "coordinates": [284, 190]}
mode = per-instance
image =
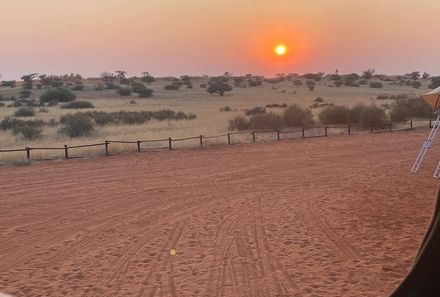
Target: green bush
{"type": "Point", "coordinates": [76, 125]}
{"type": "Point", "coordinates": [367, 116]}
{"type": "Point", "coordinates": [296, 116]}
{"type": "Point", "coordinates": [406, 109]}
{"type": "Point", "coordinates": [124, 91]}
{"type": "Point", "coordinates": [416, 84]}
{"type": "Point", "coordinates": [25, 112]}
{"type": "Point", "coordinates": [336, 114]}
{"type": "Point", "coordinates": [376, 85]}
{"type": "Point", "coordinates": [219, 88]}
{"type": "Point", "coordinates": [57, 95]}
{"type": "Point", "coordinates": [77, 105]}
{"type": "Point", "coordinates": [144, 93]}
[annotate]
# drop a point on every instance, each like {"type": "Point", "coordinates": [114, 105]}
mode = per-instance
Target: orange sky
{"type": "Point", "coordinates": [173, 37]}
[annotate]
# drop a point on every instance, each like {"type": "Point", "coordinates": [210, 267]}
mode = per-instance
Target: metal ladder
{"type": "Point", "coordinates": [426, 145]}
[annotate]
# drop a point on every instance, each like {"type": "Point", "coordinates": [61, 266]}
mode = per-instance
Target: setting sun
{"type": "Point", "coordinates": [280, 49]}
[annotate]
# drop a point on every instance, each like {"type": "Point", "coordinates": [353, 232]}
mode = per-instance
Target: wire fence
{"type": "Point", "coordinates": [223, 139]}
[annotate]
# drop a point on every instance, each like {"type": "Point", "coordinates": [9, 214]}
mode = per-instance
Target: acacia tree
{"type": "Point", "coordinates": [147, 77]}
{"type": "Point", "coordinates": [368, 74]}
{"type": "Point", "coordinates": [28, 80]}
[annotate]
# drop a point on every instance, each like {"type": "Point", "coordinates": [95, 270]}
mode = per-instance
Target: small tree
{"type": "Point", "coordinates": [368, 74]}
{"type": "Point", "coordinates": [219, 88]}
{"type": "Point", "coordinates": [425, 75]}
{"type": "Point", "coordinates": [28, 80]}
{"type": "Point", "coordinates": [310, 84]}
{"type": "Point", "coordinates": [147, 77]}
{"type": "Point", "coordinates": [415, 75]}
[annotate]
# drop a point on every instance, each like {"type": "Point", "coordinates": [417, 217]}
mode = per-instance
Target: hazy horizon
{"type": "Point", "coordinates": [196, 37]}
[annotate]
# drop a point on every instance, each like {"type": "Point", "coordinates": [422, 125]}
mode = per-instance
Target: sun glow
{"type": "Point", "coordinates": [280, 50]}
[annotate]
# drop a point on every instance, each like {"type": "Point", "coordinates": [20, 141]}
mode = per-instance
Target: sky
{"type": "Point", "coordinates": [198, 37]}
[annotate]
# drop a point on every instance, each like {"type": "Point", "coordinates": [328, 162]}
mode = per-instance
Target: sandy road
{"type": "Point", "coordinates": [338, 216]}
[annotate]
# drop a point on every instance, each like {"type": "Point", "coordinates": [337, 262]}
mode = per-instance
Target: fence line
{"type": "Point", "coordinates": [346, 129]}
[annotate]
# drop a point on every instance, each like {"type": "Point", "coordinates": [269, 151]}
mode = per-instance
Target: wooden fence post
{"type": "Point", "coordinates": [28, 152]}
{"type": "Point", "coordinates": [302, 132]}
{"type": "Point", "coordinates": [349, 129]}
{"type": "Point", "coordinates": [325, 128]}
{"type": "Point", "coordinates": [430, 122]}
{"type": "Point", "coordinates": [253, 136]}
{"type": "Point", "coordinates": [410, 124]}
{"type": "Point", "coordinates": [139, 145]}
{"type": "Point", "coordinates": [169, 143]}
{"type": "Point", "coordinates": [391, 127]}
{"type": "Point", "coordinates": [371, 129]}
{"type": "Point", "coordinates": [201, 140]}
{"type": "Point", "coordinates": [229, 138]}
{"type": "Point", "coordinates": [278, 135]}
{"type": "Point", "coordinates": [106, 147]}
{"type": "Point", "coordinates": [66, 151]}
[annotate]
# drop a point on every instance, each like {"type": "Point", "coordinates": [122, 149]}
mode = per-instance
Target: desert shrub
{"type": "Point", "coordinates": [43, 110]}
{"type": "Point", "coordinates": [263, 121]}
{"type": "Point", "coordinates": [77, 105]}
{"type": "Point", "coordinates": [203, 86]}
{"type": "Point", "coordinates": [25, 112]}
{"type": "Point", "coordinates": [219, 88]}
{"type": "Point", "coordinates": [314, 76]}
{"type": "Point", "coordinates": [144, 93]}
{"type": "Point", "coordinates": [405, 109]}
{"type": "Point", "coordinates": [336, 114]}
{"type": "Point", "coordinates": [338, 83]}
{"type": "Point", "coordinates": [2, 104]}
{"type": "Point", "coordinates": [335, 76]}
{"type": "Point", "coordinates": [367, 116]}
{"type": "Point", "coordinates": [368, 73]}
{"type": "Point", "coordinates": [78, 85]}
{"type": "Point", "coordinates": [29, 130]}
{"type": "Point", "coordinates": [172, 87]}
{"type": "Point", "coordinates": [99, 87]}
{"type": "Point", "coordinates": [376, 85]}
{"type": "Point", "coordinates": [319, 100]}
{"type": "Point", "coordinates": [350, 80]}
{"type": "Point", "coordinates": [31, 103]}
{"type": "Point", "coordinates": [310, 84]}
{"type": "Point", "coordinates": [225, 109]}
{"type": "Point", "coordinates": [58, 95]}
{"type": "Point", "coordinates": [133, 102]}
{"type": "Point", "coordinates": [254, 110]}
{"type": "Point", "coordinates": [255, 83]}
{"type": "Point", "coordinates": [296, 116]}
{"type": "Point", "coordinates": [8, 83]}
{"type": "Point", "coordinates": [137, 86]}
{"type": "Point", "coordinates": [238, 123]}
{"type": "Point", "coordinates": [297, 82]}
{"type": "Point", "coordinates": [416, 84]}
{"type": "Point", "coordinates": [383, 97]}
{"type": "Point", "coordinates": [123, 91]}
{"type": "Point", "coordinates": [276, 105]}
{"type": "Point", "coordinates": [76, 125]}
{"type": "Point", "coordinates": [56, 83]}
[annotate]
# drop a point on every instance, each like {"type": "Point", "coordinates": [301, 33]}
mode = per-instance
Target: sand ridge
{"type": "Point", "coordinates": [337, 216]}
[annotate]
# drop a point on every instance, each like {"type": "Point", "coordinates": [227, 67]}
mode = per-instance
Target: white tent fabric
{"type": "Point", "coordinates": [433, 98]}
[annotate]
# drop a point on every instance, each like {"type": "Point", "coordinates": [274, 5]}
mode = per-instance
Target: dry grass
{"type": "Point", "coordinates": [210, 121]}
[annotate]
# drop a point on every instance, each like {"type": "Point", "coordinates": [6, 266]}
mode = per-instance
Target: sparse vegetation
{"type": "Point", "coordinates": [376, 85]}
{"type": "Point", "coordinates": [219, 88]}
{"type": "Point", "coordinates": [25, 112]}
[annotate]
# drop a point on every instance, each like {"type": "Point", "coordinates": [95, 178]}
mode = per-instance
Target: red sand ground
{"type": "Point", "coordinates": [337, 216]}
